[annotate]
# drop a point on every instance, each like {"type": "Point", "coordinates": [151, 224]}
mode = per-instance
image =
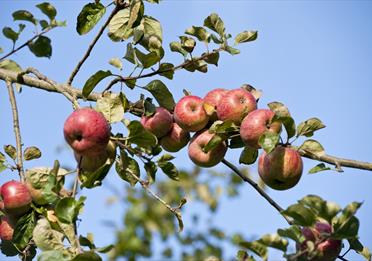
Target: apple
{"type": "Point", "coordinates": [91, 164]}
{"type": "Point", "coordinates": [87, 132]}
{"type": "Point", "coordinates": [159, 123]}
{"type": "Point", "coordinates": [176, 139]}
{"type": "Point", "coordinates": [189, 113]}
{"type": "Point", "coordinates": [1, 201]}
{"type": "Point", "coordinates": [235, 105]}
{"type": "Point", "coordinates": [201, 158]}
{"type": "Point", "coordinates": [17, 199]}
{"type": "Point", "coordinates": [328, 248]}
{"type": "Point", "coordinates": [257, 123]}
{"type": "Point", "coordinates": [280, 169]}
{"type": "Point", "coordinates": [211, 100]}
{"type": "Point", "coordinates": [6, 228]}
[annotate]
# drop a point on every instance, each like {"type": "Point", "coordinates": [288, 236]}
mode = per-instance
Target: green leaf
{"type": "Point", "coordinates": [187, 43]}
{"type": "Point", "coordinates": [130, 54]}
{"type": "Point", "coordinates": [116, 62]}
{"type": "Point", "coordinates": [248, 156]}
{"type": "Point", "coordinates": [11, 151]}
{"type": "Point", "coordinates": [324, 209]}
{"type": "Point", "coordinates": [268, 141]}
{"type": "Point", "coordinates": [279, 108]}
{"type": "Point", "coordinates": [112, 107]}
{"type": "Point", "coordinates": [256, 247]}
{"type": "Point", "coordinates": [166, 157]}
{"type": "Point", "coordinates": [236, 142]}
{"type": "Point", "coordinates": [147, 60]}
{"type": "Point", "coordinates": [214, 142]}
{"type": "Point", "coordinates": [117, 28]}
{"type": "Point", "coordinates": [10, 65]}
{"type": "Point", "coordinates": [44, 24]}
{"type": "Point", "coordinates": [87, 256]}
{"type": "Point", "coordinates": [308, 127]}
{"type": "Point", "coordinates": [41, 47]}
{"type": "Point", "coordinates": [198, 32]}
{"type": "Point", "coordinates": [89, 17]}
{"type": "Point", "coordinates": [138, 135]}
{"type": "Point", "coordinates": [223, 127]}
{"type": "Point", "coordinates": [293, 232]}
{"type": "Point", "coordinates": [2, 157]}
{"type": "Point", "coordinates": [360, 249]}
{"type": "Point", "coordinates": [232, 50]}
{"type": "Point", "coordinates": [94, 179]}
{"type": "Point", "coordinates": [127, 168]}
{"type": "Point", "coordinates": [87, 241]}
{"type": "Point", "coordinates": [48, 10]}
{"type": "Point", "coordinates": [314, 147]}
{"type": "Point", "coordinates": [151, 170]}
{"type": "Point", "coordinates": [166, 70]}
{"type": "Point", "coordinates": [31, 153]}
{"type": "Point", "coordinates": [177, 47]}
{"type": "Point", "coordinates": [153, 34]}
{"type": "Point", "coordinates": [23, 230]}
{"type": "Point", "coordinates": [93, 80]}
{"type": "Point", "coordinates": [347, 225]}
{"type": "Point", "coordinates": [246, 36]}
{"type": "Point", "coordinates": [2, 166]}
{"type": "Point", "coordinates": [274, 241]}
{"type": "Point", "coordinates": [215, 23]}
{"type": "Point", "coordinates": [301, 215]}
{"type": "Point", "coordinates": [10, 34]}
{"type": "Point", "coordinates": [318, 168]}
{"type": "Point", "coordinates": [161, 93]}
{"type": "Point", "coordinates": [47, 238]}
{"type": "Point", "coordinates": [212, 58]}
{"type": "Point", "coordinates": [1, 50]}
{"type": "Point", "coordinates": [169, 169]}
{"type": "Point", "coordinates": [105, 249]}
{"type": "Point", "coordinates": [199, 65]}
{"type": "Point", "coordinates": [67, 209]}
{"type": "Point", "coordinates": [23, 15]}
{"type": "Point", "coordinates": [136, 11]}
{"type": "Point", "coordinates": [243, 256]}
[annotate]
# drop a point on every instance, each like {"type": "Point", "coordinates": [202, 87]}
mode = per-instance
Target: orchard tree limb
{"type": "Point", "coordinates": [257, 188]}
{"type": "Point", "coordinates": [117, 8]}
{"type": "Point", "coordinates": [16, 128]}
{"type": "Point", "coordinates": [26, 43]}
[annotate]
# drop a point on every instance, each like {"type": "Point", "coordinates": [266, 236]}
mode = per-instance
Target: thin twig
{"type": "Point", "coordinates": [26, 43]}
{"type": "Point", "coordinates": [16, 128]}
{"type": "Point", "coordinates": [342, 258]}
{"type": "Point", "coordinates": [92, 44]}
{"type": "Point", "coordinates": [258, 189]}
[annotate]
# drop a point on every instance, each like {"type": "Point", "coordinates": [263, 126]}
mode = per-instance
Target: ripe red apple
{"type": "Point", "coordinates": [17, 199]}
{"type": "Point", "coordinates": [189, 113]}
{"type": "Point", "coordinates": [176, 139]}
{"type": "Point", "coordinates": [257, 123]}
{"type": "Point", "coordinates": [87, 131]}
{"type": "Point", "coordinates": [199, 157]}
{"type": "Point", "coordinates": [91, 164]}
{"type": "Point", "coordinates": [281, 169]}
{"type": "Point", "coordinates": [235, 105]}
{"type": "Point", "coordinates": [7, 228]}
{"type": "Point", "coordinates": [159, 123]}
{"type": "Point", "coordinates": [211, 100]}
{"type": "Point", "coordinates": [328, 248]}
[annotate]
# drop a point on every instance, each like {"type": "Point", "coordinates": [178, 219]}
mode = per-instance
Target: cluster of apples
{"type": "Point", "coordinates": [15, 201]}
{"type": "Point", "coordinates": [280, 169]}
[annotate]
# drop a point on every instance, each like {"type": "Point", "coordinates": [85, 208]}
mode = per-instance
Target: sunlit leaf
{"type": "Point", "coordinates": [89, 17]}
{"type": "Point", "coordinates": [246, 36]}
{"type": "Point", "coordinates": [23, 15]}
{"type": "Point", "coordinates": [93, 80]}
{"type": "Point", "coordinates": [161, 93]}
{"type": "Point", "coordinates": [31, 153]}
{"type": "Point", "coordinates": [48, 10]}
{"type": "Point", "coordinates": [308, 127]}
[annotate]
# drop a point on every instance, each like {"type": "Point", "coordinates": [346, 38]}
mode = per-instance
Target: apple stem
{"type": "Point", "coordinates": [258, 189]}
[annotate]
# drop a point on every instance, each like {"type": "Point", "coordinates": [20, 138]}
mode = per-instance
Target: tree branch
{"type": "Point", "coordinates": [26, 43]}
{"type": "Point", "coordinates": [16, 128]}
{"type": "Point", "coordinates": [257, 188]}
{"type": "Point", "coordinates": [93, 43]}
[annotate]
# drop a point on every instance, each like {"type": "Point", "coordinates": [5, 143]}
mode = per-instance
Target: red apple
{"type": "Point", "coordinates": [199, 157]}
{"type": "Point", "coordinates": [235, 105]}
{"type": "Point", "coordinates": [7, 228]}
{"type": "Point", "coordinates": [91, 164]}
{"type": "Point", "coordinates": [189, 113]}
{"type": "Point", "coordinates": [17, 199]}
{"type": "Point", "coordinates": [87, 132]}
{"type": "Point", "coordinates": [257, 123]}
{"type": "Point", "coordinates": [159, 123]}
{"type": "Point", "coordinates": [211, 100]}
{"type": "Point", "coordinates": [176, 139]}
{"type": "Point", "coordinates": [281, 169]}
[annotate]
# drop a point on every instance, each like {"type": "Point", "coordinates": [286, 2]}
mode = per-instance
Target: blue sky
{"type": "Point", "coordinates": [314, 56]}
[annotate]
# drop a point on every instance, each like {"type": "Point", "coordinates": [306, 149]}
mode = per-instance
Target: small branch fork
{"type": "Point", "coordinates": [16, 128]}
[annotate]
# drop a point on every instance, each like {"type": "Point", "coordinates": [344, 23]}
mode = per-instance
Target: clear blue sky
{"type": "Point", "coordinates": [314, 56]}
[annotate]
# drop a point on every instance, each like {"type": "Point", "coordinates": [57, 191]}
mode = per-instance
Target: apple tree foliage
{"type": "Point", "coordinates": [51, 225]}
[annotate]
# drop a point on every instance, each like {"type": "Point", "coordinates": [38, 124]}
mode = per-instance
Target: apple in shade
{"type": "Point", "coordinates": [176, 139]}
{"type": "Point", "coordinates": [235, 105]}
{"type": "Point", "coordinates": [201, 158]}
{"type": "Point", "coordinates": [280, 169]}
{"type": "Point", "coordinates": [257, 123]}
{"type": "Point", "coordinates": [159, 123]}
{"type": "Point", "coordinates": [91, 164]}
{"type": "Point", "coordinates": [329, 249]}
{"type": "Point", "coordinates": [6, 228]}
{"type": "Point", "coordinates": [87, 132]}
{"type": "Point", "coordinates": [211, 100]}
{"type": "Point", "coordinates": [189, 113]}
{"type": "Point", "coordinates": [16, 197]}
